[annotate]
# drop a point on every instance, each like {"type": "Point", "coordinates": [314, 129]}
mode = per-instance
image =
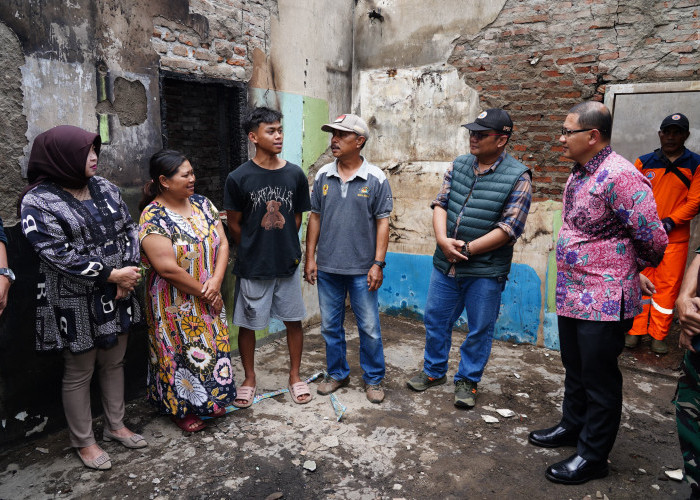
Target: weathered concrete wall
{"type": "Point", "coordinates": [534, 58]}
{"type": "Point", "coordinates": [12, 123]}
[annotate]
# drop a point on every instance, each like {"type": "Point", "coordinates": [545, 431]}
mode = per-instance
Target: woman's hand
{"type": "Point", "coordinates": [126, 277]}
{"type": "Point", "coordinates": [217, 305]}
{"type": "Point", "coordinates": [211, 289]}
{"type": "Point", "coordinates": [122, 293]}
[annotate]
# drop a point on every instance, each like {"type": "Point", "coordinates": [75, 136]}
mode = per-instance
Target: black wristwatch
{"type": "Point", "coordinates": [7, 273]}
{"type": "Point", "coordinates": [380, 263]}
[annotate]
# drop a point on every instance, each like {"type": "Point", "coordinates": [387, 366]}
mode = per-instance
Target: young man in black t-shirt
{"type": "Point", "coordinates": [264, 200]}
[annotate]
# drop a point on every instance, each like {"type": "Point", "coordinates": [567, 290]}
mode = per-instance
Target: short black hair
{"type": "Point", "coordinates": [254, 117]}
{"type": "Point", "coordinates": [593, 114]}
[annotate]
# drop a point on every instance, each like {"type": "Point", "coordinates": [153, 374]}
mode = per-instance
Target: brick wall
{"type": "Point", "coordinates": [224, 49]}
{"type": "Point", "coordinates": [539, 58]}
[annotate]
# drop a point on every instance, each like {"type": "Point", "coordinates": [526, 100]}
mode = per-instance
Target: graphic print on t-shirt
{"type": "Point", "coordinates": [275, 199]}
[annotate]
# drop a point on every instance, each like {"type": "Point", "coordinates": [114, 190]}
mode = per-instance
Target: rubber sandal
{"type": "Point", "coordinates": [246, 393]}
{"type": "Point", "coordinates": [186, 423]}
{"type": "Point", "coordinates": [219, 412]}
{"type": "Point", "coordinates": [300, 389]}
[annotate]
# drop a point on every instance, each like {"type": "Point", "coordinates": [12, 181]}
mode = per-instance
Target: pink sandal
{"type": "Point", "coordinates": [300, 389]}
{"type": "Point", "coordinates": [244, 393]}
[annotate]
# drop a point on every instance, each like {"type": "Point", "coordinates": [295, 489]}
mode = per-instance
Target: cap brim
{"type": "Point", "coordinates": [475, 126]}
{"type": "Point", "coordinates": [682, 127]}
{"type": "Point", "coordinates": [330, 127]}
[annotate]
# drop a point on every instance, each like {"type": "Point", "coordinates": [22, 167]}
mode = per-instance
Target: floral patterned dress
{"type": "Point", "coordinates": [189, 353]}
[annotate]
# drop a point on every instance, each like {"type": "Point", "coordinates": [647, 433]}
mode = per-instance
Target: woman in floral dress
{"type": "Point", "coordinates": [185, 252]}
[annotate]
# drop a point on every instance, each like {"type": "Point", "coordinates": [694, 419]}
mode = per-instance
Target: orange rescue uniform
{"type": "Point", "coordinates": [676, 187]}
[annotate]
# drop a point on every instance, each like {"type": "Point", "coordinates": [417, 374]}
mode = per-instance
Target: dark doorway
{"type": "Point", "coordinates": [202, 119]}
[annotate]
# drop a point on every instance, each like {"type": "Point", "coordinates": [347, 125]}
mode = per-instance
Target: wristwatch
{"type": "Point", "coordinates": [380, 263]}
{"type": "Point", "coordinates": [7, 272]}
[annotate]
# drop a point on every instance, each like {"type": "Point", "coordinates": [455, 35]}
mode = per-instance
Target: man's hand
{"type": "Point", "coordinates": [685, 341]}
{"type": "Point", "coordinates": [310, 270]}
{"type": "Point", "coordinates": [4, 290]}
{"type": "Point", "coordinates": [688, 315]}
{"type": "Point", "coordinates": [648, 287]}
{"type": "Point", "coordinates": [375, 276]}
{"type": "Point", "coordinates": [452, 249]}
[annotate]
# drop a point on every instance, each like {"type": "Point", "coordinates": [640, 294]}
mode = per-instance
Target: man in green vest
{"type": "Point", "coordinates": [477, 216]}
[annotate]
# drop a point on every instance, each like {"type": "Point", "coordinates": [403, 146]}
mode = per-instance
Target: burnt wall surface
{"type": "Point", "coordinates": [98, 65]}
{"type": "Point", "coordinates": [539, 58]}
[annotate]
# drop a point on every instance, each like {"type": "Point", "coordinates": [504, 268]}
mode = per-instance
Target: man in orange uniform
{"type": "Point", "coordinates": [674, 173]}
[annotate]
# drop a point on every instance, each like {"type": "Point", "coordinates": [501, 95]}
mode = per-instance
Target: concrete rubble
{"type": "Point", "coordinates": [414, 445]}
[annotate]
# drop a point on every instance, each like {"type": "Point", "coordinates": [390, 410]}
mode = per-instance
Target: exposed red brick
{"type": "Point", "coordinates": [683, 49]}
{"type": "Point", "coordinates": [532, 19]}
{"type": "Point", "coordinates": [579, 59]}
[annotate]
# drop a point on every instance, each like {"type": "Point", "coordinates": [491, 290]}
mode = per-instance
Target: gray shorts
{"type": "Point", "coordinates": [256, 301]}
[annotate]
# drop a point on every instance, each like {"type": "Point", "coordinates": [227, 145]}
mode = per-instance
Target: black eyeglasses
{"type": "Point", "coordinates": [478, 135]}
{"type": "Point", "coordinates": [567, 132]}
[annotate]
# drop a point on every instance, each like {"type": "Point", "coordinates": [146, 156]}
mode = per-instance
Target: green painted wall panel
{"type": "Point", "coordinates": [314, 141]}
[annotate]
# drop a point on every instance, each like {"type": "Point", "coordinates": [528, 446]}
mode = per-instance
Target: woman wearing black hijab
{"type": "Point", "coordinates": [88, 248]}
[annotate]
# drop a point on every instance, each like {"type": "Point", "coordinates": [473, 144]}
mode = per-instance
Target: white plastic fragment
{"type": "Point", "coordinates": [656, 487]}
{"type": "Point", "coordinates": [676, 474]}
{"type": "Point", "coordinates": [37, 428]}
{"type": "Point", "coordinates": [156, 480]}
{"type": "Point", "coordinates": [489, 419]}
{"type": "Point", "coordinates": [330, 441]}
{"type": "Point", "coordinates": [310, 465]}
{"type": "Point", "coordinates": [21, 416]}
{"type": "Point", "coordinates": [523, 395]}
{"type": "Point", "coordinates": [505, 412]}
{"type": "Point", "coordinates": [42, 450]}
{"type": "Point", "coordinates": [516, 375]}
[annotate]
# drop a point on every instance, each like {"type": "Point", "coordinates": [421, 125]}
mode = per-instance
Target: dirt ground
{"type": "Point", "coordinates": [414, 445]}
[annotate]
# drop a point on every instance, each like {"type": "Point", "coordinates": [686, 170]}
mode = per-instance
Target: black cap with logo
{"type": "Point", "coordinates": [492, 119]}
{"type": "Point", "coordinates": [675, 120]}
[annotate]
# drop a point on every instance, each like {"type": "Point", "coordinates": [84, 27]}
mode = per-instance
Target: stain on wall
{"type": "Point", "coordinates": [405, 291]}
{"type": "Point", "coordinates": [128, 104]}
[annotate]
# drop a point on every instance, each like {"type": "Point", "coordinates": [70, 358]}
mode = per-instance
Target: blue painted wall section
{"type": "Point", "coordinates": [405, 290]}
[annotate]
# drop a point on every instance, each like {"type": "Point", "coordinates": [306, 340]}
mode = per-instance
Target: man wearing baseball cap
{"type": "Point", "coordinates": [675, 180]}
{"type": "Point", "coordinates": [349, 226]}
{"type": "Point", "coordinates": [477, 216]}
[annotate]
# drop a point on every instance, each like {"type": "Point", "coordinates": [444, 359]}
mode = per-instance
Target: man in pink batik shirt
{"type": "Point", "coordinates": [610, 232]}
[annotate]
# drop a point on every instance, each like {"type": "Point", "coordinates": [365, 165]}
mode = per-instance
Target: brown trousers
{"type": "Point", "coordinates": [77, 374]}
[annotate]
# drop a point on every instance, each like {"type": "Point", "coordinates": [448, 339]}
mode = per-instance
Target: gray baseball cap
{"type": "Point", "coordinates": [348, 123]}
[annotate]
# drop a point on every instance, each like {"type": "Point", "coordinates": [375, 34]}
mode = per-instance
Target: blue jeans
{"type": "Point", "coordinates": [447, 298]}
{"type": "Point", "coordinates": [332, 290]}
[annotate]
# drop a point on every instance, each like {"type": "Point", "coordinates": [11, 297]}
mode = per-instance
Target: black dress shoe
{"type": "Point", "coordinates": [576, 470]}
{"type": "Point", "coordinates": [554, 437]}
